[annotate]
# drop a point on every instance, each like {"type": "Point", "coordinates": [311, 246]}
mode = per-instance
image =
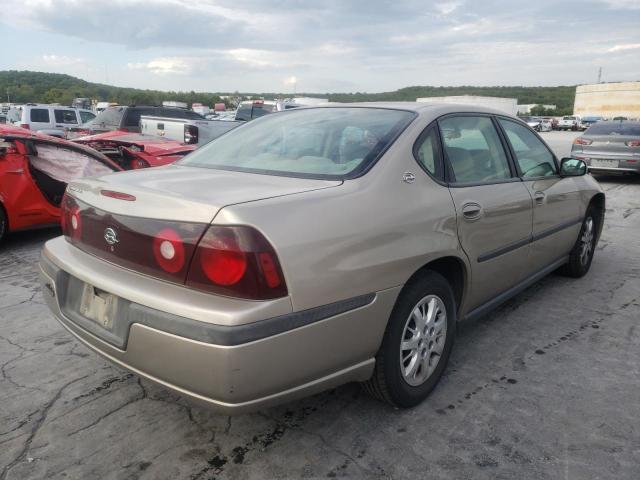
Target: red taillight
{"type": "Point", "coordinates": [24, 125]}
{"type": "Point", "coordinates": [190, 134]}
{"type": "Point", "coordinates": [222, 260]}
{"type": "Point", "coordinates": [632, 143]}
{"type": "Point", "coordinates": [237, 261]}
{"type": "Point", "coordinates": [168, 250]}
{"type": "Point", "coordinates": [70, 219]}
{"type": "Point", "coordinates": [582, 141]}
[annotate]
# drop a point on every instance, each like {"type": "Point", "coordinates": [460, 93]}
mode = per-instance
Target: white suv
{"type": "Point", "coordinates": [51, 119]}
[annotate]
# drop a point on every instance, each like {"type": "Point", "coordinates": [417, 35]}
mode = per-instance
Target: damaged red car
{"type": "Point", "coordinates": [134, 150]}
{"type": "Point", "coordinates": [34, 172]}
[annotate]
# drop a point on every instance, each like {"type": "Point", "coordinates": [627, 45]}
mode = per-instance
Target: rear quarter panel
{"type": "Point", "coordinates": [366, 235]}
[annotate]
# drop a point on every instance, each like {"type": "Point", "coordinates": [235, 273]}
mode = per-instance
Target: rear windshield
{"type": "Point", "coordinates": [110, 117]}
{"type": "Point", "coordinates": [310, 143]}
{"type": "Point", "coordinates": [614, 128]}
{"type": "Point", "coordinates": [568, 118]}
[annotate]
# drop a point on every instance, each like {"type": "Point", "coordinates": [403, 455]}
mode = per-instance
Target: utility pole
{"type": "Point", "coordinates": [8, 99]}
{"type": "Point", "coordinates": [599, 74]}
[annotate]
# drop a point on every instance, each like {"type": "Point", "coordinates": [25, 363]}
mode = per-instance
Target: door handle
{"type": "Point", "coordinates": [471, 211]}
{"type": "Point", "coordinates": [19, 171]}
{"type": "Point", "coordinates": [539, 197]}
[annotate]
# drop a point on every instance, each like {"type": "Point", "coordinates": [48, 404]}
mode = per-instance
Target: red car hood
{"type": "Point", "coordinates": [156, 151]}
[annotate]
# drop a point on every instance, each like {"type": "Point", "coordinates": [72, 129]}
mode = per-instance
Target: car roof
{"type": "Point", "coordinates": [427, 109]}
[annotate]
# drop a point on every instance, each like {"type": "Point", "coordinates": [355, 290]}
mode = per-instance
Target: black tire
{"type": "Point", "coordinates": [4, 223]}
{"type": "Point", "coordinates": [387, 382]}
{"type": "Point", "coordinates": [579, 263]}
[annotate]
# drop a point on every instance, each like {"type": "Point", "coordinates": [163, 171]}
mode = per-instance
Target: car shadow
{"type": "Point", "coordinates": [29, 238]}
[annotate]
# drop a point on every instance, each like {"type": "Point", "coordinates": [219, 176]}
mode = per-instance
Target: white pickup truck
{"type": "Point", "coordinates": [199, 132]}
{"type": "Point", "coordinates": [184, 130]}
{"type": "Point", "coordinates": [571, 122]}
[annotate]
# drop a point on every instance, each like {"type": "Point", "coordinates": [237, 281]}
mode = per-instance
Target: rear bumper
{"type": "Point", "coordinates": [232, 367]}
{"type": "Point", "coordinates": [625, 164]}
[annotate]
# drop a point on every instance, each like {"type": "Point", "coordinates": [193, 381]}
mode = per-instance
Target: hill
{"type": "Point", "coordinates": [28, 86]}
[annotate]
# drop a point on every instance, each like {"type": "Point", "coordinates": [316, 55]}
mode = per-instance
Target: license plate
{"type": "Point", "coordinates": [98, 306]}
{"type": "Point", "coordinates": [604, 163]}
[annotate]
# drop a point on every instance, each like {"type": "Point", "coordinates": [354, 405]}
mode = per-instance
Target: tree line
{"type": "Point", "coordinates": [39, 87]}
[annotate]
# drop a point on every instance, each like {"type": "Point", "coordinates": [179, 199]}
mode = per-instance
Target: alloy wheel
{"type": "Point", "coordinates": [423, 340]}
{"type": "Point", "coordinates": [586, 241]}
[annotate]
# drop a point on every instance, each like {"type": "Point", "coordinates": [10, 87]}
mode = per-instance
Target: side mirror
{"type": "Point", "coordinates": [572, 167]}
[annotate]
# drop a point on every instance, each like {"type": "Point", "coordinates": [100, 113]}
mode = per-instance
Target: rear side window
{"type": "Point", "coordinates": [66, 116]}
{"type": "Point", "coordinates": [532, 156]}
{"type": "Point", "coordinates": [427, 152]}
{"type": "Point", "coordinates": [244, 112]}
{"type": "Point", "coordinates": [473, 149]}
{"type": "Point", "coordinates": [132, 117]}
{"type": "Point", "coordinates": [40, 115]}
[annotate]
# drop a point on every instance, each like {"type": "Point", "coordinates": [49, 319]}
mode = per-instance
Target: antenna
{"type": "Point", "coordinates": [600, 75]}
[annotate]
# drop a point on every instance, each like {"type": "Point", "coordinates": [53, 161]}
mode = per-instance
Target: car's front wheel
{"type": "Point", "coordinates": [417, 342]}
{"type": "Point", "coordinates": [581, 255]}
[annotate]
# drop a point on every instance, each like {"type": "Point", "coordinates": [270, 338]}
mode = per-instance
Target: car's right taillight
{"type": "Point", "coordinates": [632, 143]}
{"type": "Point", "coordinates": [25, 126]}
{"type": "Point", "coordinates": [70, 219]}
{"type": "Point", "coordinates": [190, 134]}
{"type": "Point", "coordinates": [582, 141]}
{"type": "Point", "coordinates": [237, 261]}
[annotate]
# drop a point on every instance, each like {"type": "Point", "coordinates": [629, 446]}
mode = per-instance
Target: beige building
{"type": "Point", "coordinates": [608, 100]}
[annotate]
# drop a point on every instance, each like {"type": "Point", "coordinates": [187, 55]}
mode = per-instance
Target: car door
{"type": "Point", "coordinates": [493, 207]}
{"type": "Point", "coordinates": [557, 202]}
{"type": "Point", "coordinates": [39, 119]}
{"type": "Point", "coordinates": [22, 200]}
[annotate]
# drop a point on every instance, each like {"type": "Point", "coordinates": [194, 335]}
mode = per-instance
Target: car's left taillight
{"type": "Point", "coordinates": [70, 218]}
{"type": "Point", "coordinates": [237, 261]}
{"type": "Point", "coordinates": [632, 143]}
{"type": "Point", "coordinates": [582, 141]}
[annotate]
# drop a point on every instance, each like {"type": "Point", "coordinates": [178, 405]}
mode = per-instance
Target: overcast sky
{"type": "Point", "coordinates": [323, 46]}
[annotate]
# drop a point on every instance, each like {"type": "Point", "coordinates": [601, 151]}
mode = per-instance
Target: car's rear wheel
{"type": "Point", "coordinates": [417, 342]}
{"type": "Point", "coordinates": [581, 255]}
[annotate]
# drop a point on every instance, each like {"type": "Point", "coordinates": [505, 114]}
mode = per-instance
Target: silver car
{"type": "Point", "coordinates": [317, 246]}
{"type": "Point", "coordinates": [610, 147]}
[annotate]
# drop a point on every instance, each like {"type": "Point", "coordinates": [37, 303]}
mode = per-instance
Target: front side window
{"type": "Point", "coordinates": [473, 149]}
{"type": "Point", "coordinates": [66, 116]}
{"type": "Point", "coordinates": [310, 143]}
{"type": "Point", "coordinates": [86, 116]}
{"type": "Point", "coordinates": [533, 158]}
{"type": "Point", "coordinates": [40, 115]}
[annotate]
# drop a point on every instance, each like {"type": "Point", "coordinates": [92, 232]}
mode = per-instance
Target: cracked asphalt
{"type": "Point", "coordinates": [546, 387]}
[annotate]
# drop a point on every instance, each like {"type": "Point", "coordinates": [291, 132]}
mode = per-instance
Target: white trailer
{"type": "Point", "coordinates": [504, 104]}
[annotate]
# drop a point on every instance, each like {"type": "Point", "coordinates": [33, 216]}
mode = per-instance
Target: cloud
{"type": "Point", "coordinates": [621, 48]}
{"type": "Point", "coordinates": [166, 66]}
{"type": "Point", "coordinates": [63, 61]}
{"type": "Point", "coordinates": [330, 44]}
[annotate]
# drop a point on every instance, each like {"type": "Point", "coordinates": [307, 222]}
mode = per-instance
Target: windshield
{"type": "Point", "coordinates": [614, 128]}
{"type": "Point", "coordinates": [568, 118]}
{"type": "Point", "coordinates": [311, 143]}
